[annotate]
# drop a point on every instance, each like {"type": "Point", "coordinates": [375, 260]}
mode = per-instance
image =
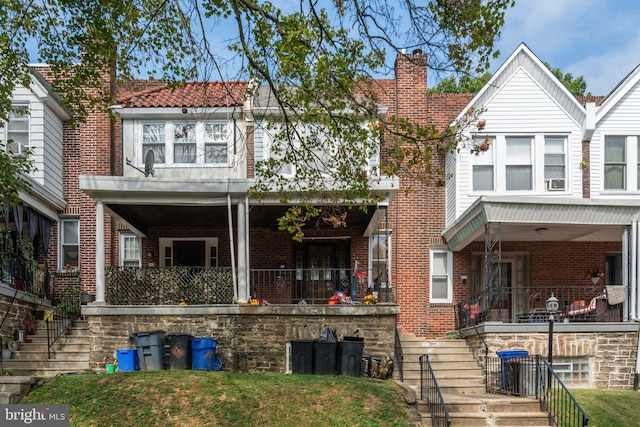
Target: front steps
{"type": "Point", "coordinates": [14, 388]}
{"type": "Point", "coordinates": [69, 354]}
{"type": "Point", "coordinates": [462, 384]}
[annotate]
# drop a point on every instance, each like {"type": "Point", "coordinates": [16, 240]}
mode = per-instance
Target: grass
{"type": "Point", "coordinates": [205, 398]}
{"type": "Point", "coordinates": [610, 408]}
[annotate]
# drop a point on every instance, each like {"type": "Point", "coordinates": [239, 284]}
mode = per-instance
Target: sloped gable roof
{"type": "Point", "coordinates": [618, 93]}
{"type": "Point", "coordinates": [191, 95]}
{"type": "Point", "coordinates": [523, 59]}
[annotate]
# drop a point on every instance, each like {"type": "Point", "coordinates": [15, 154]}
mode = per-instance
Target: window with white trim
{"type": "Point", "coordinates": [191, 252]}
{"type": "Point", "coordinates": [69, 244]}
{"type": "Point", "coordinates": [379, 259]}
{"type": "Point", "coordinates": [187, 143]}
{"type": "Point", "coordinates": [15, 133]}
{"type": "Point", "coordinates": [518, 167]}
{"type": "Point", "coordinates": [615, 162]}
{"type": "Point", "coordinates": [441, 272]}
{"type": "Point", "coordinates": [555, 159]}
{"type": "Point", "coordinates": [483, 172]}
{"type": "Point", "coordinates": [130, 254]}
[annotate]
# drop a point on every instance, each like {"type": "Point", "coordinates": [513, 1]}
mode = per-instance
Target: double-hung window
{"type": "Point", "coordinates": [519, 168]}
{"type": "Point", "coordinates": [554, 157]}
{"type": "Point", "coordinates": [441, 272]}
{"type": "Point", "coordinates": [69, 244]}
{"type": "Point", "coordinates": [215, 142]}
{"type": "Point", "coordinates": [379, 255]}
{"type": "Point", "coordinates": [15, 133]}
{"type": "Point", "coordinates": [184, 143]}
{"type": "Point", "coordinates": [615, 163]}
{"type": "Point", "coordinates": [153, 138]}
{"type": "Point", "coordinates": [130, 250]}
{"type": "Point", "coordinates": [483, 170]}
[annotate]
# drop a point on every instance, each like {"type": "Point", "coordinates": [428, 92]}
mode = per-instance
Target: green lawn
{"type": "Point", "coordinates": [610, 408]}
{"type": "Point", "coordinates": [205, 398]}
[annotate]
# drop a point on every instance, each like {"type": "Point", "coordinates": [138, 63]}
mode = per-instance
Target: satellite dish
{"type": "Point", "coordinates": [148, 163]}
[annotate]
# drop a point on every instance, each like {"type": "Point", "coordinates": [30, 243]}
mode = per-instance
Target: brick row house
{"type": "Point", "coordinates": [533, 203]}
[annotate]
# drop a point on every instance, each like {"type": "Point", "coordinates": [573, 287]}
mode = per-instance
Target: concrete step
{"type": "Point", "coordinates": [59, 365]}
{"type": "Point", "coordinates": [44, 355]}
{"type": "Point", "coordinates": [13, 388]}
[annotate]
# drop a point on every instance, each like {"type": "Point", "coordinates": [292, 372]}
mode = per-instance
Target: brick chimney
{"type": "Point", "coordinates": [411, 85]}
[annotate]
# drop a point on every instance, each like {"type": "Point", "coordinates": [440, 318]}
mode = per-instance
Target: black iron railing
{"type": "Point", "coordinates": [315, 285]}
{"type": "Point", "coordinates": [58, 322]}
{"type": "Point", "coordinates": [532, 376]}
{"type": "Point", "coordinates": [430, 392]}
{"type": "Point", "coordinates": [399, 356]}
{"type": "Point", "coordinates": [594, 303]}
{"type": "Point", "coordinates": [562, 407]}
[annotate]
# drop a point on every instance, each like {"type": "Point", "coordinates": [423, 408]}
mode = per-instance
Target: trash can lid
{"type": "Point", "coordinates": [510, 354]}
{"type": "Point", "coordinates": [179, 334]}
{"type": "Point", "coordinates": [148, 332]}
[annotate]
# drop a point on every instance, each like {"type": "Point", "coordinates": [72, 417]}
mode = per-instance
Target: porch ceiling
{"type": "Point", "coordinates": [537, 219]}
{"type": "Point", "coordinates": [141, 217]}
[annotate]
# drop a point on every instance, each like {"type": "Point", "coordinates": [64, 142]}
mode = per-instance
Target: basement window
{"type": "Point", "coordinates": [573, 372]}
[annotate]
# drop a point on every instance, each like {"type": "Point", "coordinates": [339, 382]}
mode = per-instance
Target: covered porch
{"type": "Point", "coordinates": [209, 243]}
{"type": "Point", "coordinates": [514, 253]}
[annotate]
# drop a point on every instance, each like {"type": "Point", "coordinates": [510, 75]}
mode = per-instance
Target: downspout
{"type": "Point", "coordinates": [232, 248]}
{"type": "Point", "coordinates": [248, 233]}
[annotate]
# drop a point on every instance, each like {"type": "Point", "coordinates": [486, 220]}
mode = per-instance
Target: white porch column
{"type": "Point", "coordinates": [243, 283]}
{"type": "Point", "coordinates": [99, 253]}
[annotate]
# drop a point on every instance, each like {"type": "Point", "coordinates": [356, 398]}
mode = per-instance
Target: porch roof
{"type": "Point", "coordinates": [543, 219]}
{"type": "Point", "coordinates": [143, 202]}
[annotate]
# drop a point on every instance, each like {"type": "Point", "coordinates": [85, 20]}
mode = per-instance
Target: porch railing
{"type": "Point", "coordinates": [313, 285]}
{"type": "Point", "coordinates": [527, 305]}
{"type": "Point", "coordinates": [532, 376]}
{"type": "Point", "coordinates": [430, 392]}
{"type": "Point", "coordinates": [168, 285]}
{"type": "Point", "coordinates": [59, 321]}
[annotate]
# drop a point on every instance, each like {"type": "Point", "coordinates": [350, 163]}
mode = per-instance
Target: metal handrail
{"type": "Point", "coordinates": [558, 402]}
{"type": "Point", "coordinates": [430, 392]}
{"type": "Point", "coordinates": [58, 323]}
{"type": "Point", "coordinates": [399, 356]}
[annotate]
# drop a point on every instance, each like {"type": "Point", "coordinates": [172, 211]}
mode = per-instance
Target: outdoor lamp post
{"type": "Point", "coordinates": [552, 307]}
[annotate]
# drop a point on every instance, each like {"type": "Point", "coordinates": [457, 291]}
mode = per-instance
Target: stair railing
{"type": "Point", "coordinates": [430, 392]}
{"type": "Point", "coordinates": [557, 401]}
{"type": "Point", "coordinates": [58, 323]}
{"type": "Point", "coordinates": [399, 356]}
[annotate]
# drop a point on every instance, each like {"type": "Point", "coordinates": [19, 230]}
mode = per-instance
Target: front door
{"type": "Point", "coordinates": [322, 268]}
{"type": "Point", "coordinates": [189, 253]}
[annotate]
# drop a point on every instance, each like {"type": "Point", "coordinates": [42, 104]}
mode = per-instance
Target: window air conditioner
{"type": "Point", "coordinates": [16, 149]}
{"type": "Point", "coordinates": [556, 184]}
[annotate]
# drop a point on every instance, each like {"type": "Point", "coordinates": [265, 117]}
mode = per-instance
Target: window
{"type": "Point", "coordinates": [615, 159]}
{"type": "Point", "coordinates": [15, 133]}
{"type": "Point", "coordinates": [518, 170]}
{"type": "Point", "coordinates": [441, 271]}
{"type": "Point", "coordinates": [379, 259]}
{"type": "Point", "coordinates": [189, 252]}
{"type": "Point", "coordinates": [483, 165]}
{"type": "Point", "coordinates": [129, 250]}
{"type": "Point", "coordinates": [215, 143]}
{"type": "Point", "coordinates": [613, 269]}
{"type": "Point", "coordinates": [184, 143]}
{"type": "Point", "coordinates": [187, 143]}
{"type": "Point", "coordinates": [69, 243]}
{"type": "Point", "coordinates": [554, 157]}
{"type": "Point", "coordinates": [572, 371]}
{"type": "Point", "coordinates": [153, 138]}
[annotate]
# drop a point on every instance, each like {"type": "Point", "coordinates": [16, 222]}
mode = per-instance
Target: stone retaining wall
{"type": "Point", "coordinates": [251, 336]}
{"type": "Point", "coordinates": [14, 306]}
{"type": "Point", "coordinates": [612, 355]}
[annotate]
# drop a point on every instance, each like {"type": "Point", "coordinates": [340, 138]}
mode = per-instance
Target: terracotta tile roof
{"type": "Point", "coordinates": [194, 94]}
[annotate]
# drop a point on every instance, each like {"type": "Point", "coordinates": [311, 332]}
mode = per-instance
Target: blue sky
{"type": "Point", "coordinates": [597, 39]}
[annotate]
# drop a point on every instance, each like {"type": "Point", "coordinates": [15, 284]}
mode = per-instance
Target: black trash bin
{"type": "Point", "coordinates": [324, 357]}
{"type": "Point", "coordinates": [150, 347]}
{"type": "Point", "coordinates": [302, 356]}
{"type": "Point", "coordinates": [350, 356]}
{"type": "Point", "coordinates": [179, 350]}
{"type": "Point", "coordinates": [510, 361]}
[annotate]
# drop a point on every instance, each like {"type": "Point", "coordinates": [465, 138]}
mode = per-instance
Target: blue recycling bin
{"type": "Point", "coordinates": [127, 360]}
{"type": "Point", "coordinates": [510, 368]}
{"type": "Point", "coordinates": [203, 354]}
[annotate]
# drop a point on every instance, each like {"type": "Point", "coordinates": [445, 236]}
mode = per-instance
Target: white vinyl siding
{"type": "Point", "coordinates": [441, 272]}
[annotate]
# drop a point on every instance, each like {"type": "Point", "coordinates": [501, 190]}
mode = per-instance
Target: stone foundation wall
{"type": "Point", "coordinates": [14, 307]}
{"type": "Point", "coordinates": [257, 334]}
{"type": "Point", "coordinates": [612, 355]}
